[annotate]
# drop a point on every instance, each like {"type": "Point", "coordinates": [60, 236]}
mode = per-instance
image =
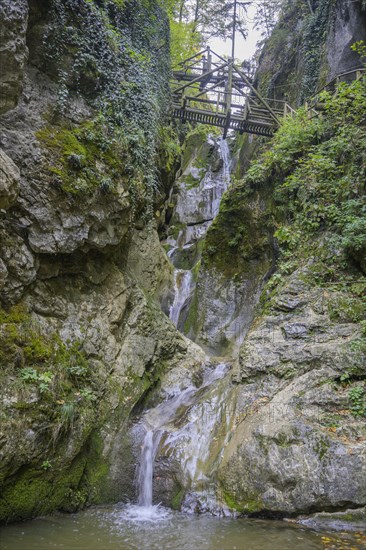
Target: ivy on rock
{"type": "Point", "coordinates": [115, 55]}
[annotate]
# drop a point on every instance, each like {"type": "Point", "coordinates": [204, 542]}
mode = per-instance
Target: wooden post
{"type": "Point", "coordinates": [199, 78]}
{"type": "Point", "coordinates": [218, 102]}
{"type": "Point", "coordinates": [209, 59]}
{"type": "Point", "coordinates": [234, 31]}
{"type": "Point", "coordinates": [245, 110]}
{"type": "Point", "coordinates": [256, 93]}
{"type": "Point", "coordinates": [229, 86]}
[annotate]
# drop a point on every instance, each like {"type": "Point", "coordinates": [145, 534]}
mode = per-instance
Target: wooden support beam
{"type": "Point", "coordinates": [257, 94]}
{"type": "Point", "coordinates": [198, 79]}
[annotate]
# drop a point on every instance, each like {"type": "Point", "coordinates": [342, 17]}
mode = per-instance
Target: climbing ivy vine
{"type": "Point", "coordinates": [115, 54]}
{"type": "Point", "coordinates": [315, 34]}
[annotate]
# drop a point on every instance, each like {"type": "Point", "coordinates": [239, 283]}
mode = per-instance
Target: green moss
{"type": "Point", "coordinates": [176, 501]}
{"type": "Point", "coordinates": [16, 314]}
{"type": "Point", "coordinates": [282, 440]}
{"type": "Point", "coordinates": [240, 236]}
{"type": "Point", "coordinates": [321, 447]}
{"type": "Point", "coordinates": [244, 506]}
{"type": "Point", "coordinates": [192, 320]}
{"type": "Point", "coordinates": [34, 492]}
{"type": "Point", "coordinates": [84, 158]}
{"type": "Point", "coordinates": [175, 229]}
{"type": "Point", "coordinates": [347, 308]}
{"type": "Point", "coordinates": [95, 483]}
{"type": "Point", "coordinates": [190, 181]}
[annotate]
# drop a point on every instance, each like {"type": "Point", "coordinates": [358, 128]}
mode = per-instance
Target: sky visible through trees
{"type": "Point", "coordinates": [197, 22]}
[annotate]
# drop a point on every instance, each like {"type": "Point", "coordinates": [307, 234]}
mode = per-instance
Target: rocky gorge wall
{"type": "Point", "coordinates": [288, 427]}
{"type": "Point", "coordinates": [307, 48]}
{"type": "Point", "coordinates": [83, 337]}
{"type": "Point", "coordinates": [85, 346]}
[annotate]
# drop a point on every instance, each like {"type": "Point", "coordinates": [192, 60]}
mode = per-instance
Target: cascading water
{"type": "Point", "coordinates": [146, 470]}
{"type": "Point", "coordinates": [196, 209]}
{"type": "Point", "coordinates": [182, 284]}
{"type": "Point", "coordinates": [156, 424]}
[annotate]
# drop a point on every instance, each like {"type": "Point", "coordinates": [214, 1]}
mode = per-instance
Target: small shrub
{"type": "Point", "coordinates": [357, 396]}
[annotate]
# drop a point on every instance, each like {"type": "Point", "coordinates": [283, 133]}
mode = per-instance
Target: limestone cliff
{"type": "Point", "coordinates": [277, 275]}
{"type": "Point", "coordinates": [309, 48]}
{"type": "Point", "coordinates": [300, 404]}
{"type": "Point", "coordinates": [82, 272]}
{"type": "Point", "coordinates": [283, 267]}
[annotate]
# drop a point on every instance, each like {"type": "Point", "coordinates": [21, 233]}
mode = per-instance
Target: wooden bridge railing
{"type": "Point", "coordinates": [314, 105]}
{"type": "Point", "coordinates": [214, 90]}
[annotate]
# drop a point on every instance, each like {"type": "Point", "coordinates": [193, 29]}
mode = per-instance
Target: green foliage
{"type": "Point", "coordinates": [87, 157]}
{"type": "Point", "coordinates": [184, 41]}
{"type": "Point", "coordinates": [360, 46]}
{"type": "Point", "coordinates": [59, 371]}
{"type": "Point", "coordinates": [42, 380]}
{"type": "Point", "coordinates": [68, 414]}
{"type": "Point", "coordinates": [291, 142]}
{"type": "Point", "coordinates": [347, 308]}
{"type": "Point", "coordinates": [357, 397]}
{"type": "Point", "coordinates": [169, 148]}
{"type": "Point", "coordinates": [116, 55]}
{"type": "Point", "coordinates": [46, 465]}
{"type": "Point", "coordinates": [315, 34]}
{"type": "Point", "coordinates": [316, 169]}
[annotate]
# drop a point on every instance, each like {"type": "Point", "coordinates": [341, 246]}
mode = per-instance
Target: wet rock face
{"type": "Point", "coordinates": [223, 310]}
{"type": "Point", "coordinates": [217, 282]}
{"type": "Point", "coordinates": [285, 459]}
{"type": "Point", "coordinates": [296, 336]}
{"type": "Point", "coordinates": [13, 51]}
{"type": "Point", "coordinates": [349, 27]}
{"type": "Point", "coordinates": [9, 181]}
{"type": "Point", "coordinates": [56, 223]}
{"type": "Point", "coordinates": [297, 447]}
{"type": "Point", "coordinates": [339, 521]}
{"type": "Point", "coordinates": [74, 271]}
{"type": "Point", "coordinates": [149, 263]}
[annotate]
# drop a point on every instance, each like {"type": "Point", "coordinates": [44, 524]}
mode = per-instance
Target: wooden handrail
{"type": "Point", "coordinates": [334, 80]}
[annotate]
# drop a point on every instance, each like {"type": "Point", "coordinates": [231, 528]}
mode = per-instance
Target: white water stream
{"type": "Point", "coordinates": [197, 207]}
{"type": "Point", "coordinates": [183, 280]}
{"type": "Point", "coordinates": [155, 424]}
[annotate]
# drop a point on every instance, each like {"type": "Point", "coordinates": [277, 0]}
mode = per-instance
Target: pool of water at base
{"type": "Point", "coordinates": [128, 527]}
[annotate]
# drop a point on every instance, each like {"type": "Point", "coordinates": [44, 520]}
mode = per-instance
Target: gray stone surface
{"type": "Point", "coordinates": [349, 27]}
{"type": "Point", "coordinates": [13, 51]}
{"type": "Point", "coordinates": [76, 268]}
{"type": "Point", "coordinates": [9, 181]}
{"type": "Point", "coordinates": [352, 519]}
{"type": "Point", "coordinates": [297, 448]}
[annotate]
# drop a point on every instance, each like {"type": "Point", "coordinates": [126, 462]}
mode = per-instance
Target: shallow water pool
{"type": "Point", "coordinates": [131, 527]}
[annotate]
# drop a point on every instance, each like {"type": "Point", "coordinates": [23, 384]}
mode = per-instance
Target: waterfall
{"type": "Point", "coordinates": [182, 289]}
{"type": "Point", "coordinates": [146, 468]}
{"type": "Point", "coordinates": [196, 209]}
{"type": "Point", "coordinates": [155, 423]}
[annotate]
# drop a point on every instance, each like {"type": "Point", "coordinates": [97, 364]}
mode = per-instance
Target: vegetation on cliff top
{"type": "Point", "coordinates": [307, 190]}
{"type": "Point", "coordinates": [116, 56]}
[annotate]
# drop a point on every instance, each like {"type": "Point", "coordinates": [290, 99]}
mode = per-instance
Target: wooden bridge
{"type": "Point", "coordinates": [314, 104]}
{"type": "Point", "coordinates": [209, 89]}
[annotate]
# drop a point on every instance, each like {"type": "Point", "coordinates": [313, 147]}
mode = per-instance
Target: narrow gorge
{"type": "Point", "coordinates": [182, 316]}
